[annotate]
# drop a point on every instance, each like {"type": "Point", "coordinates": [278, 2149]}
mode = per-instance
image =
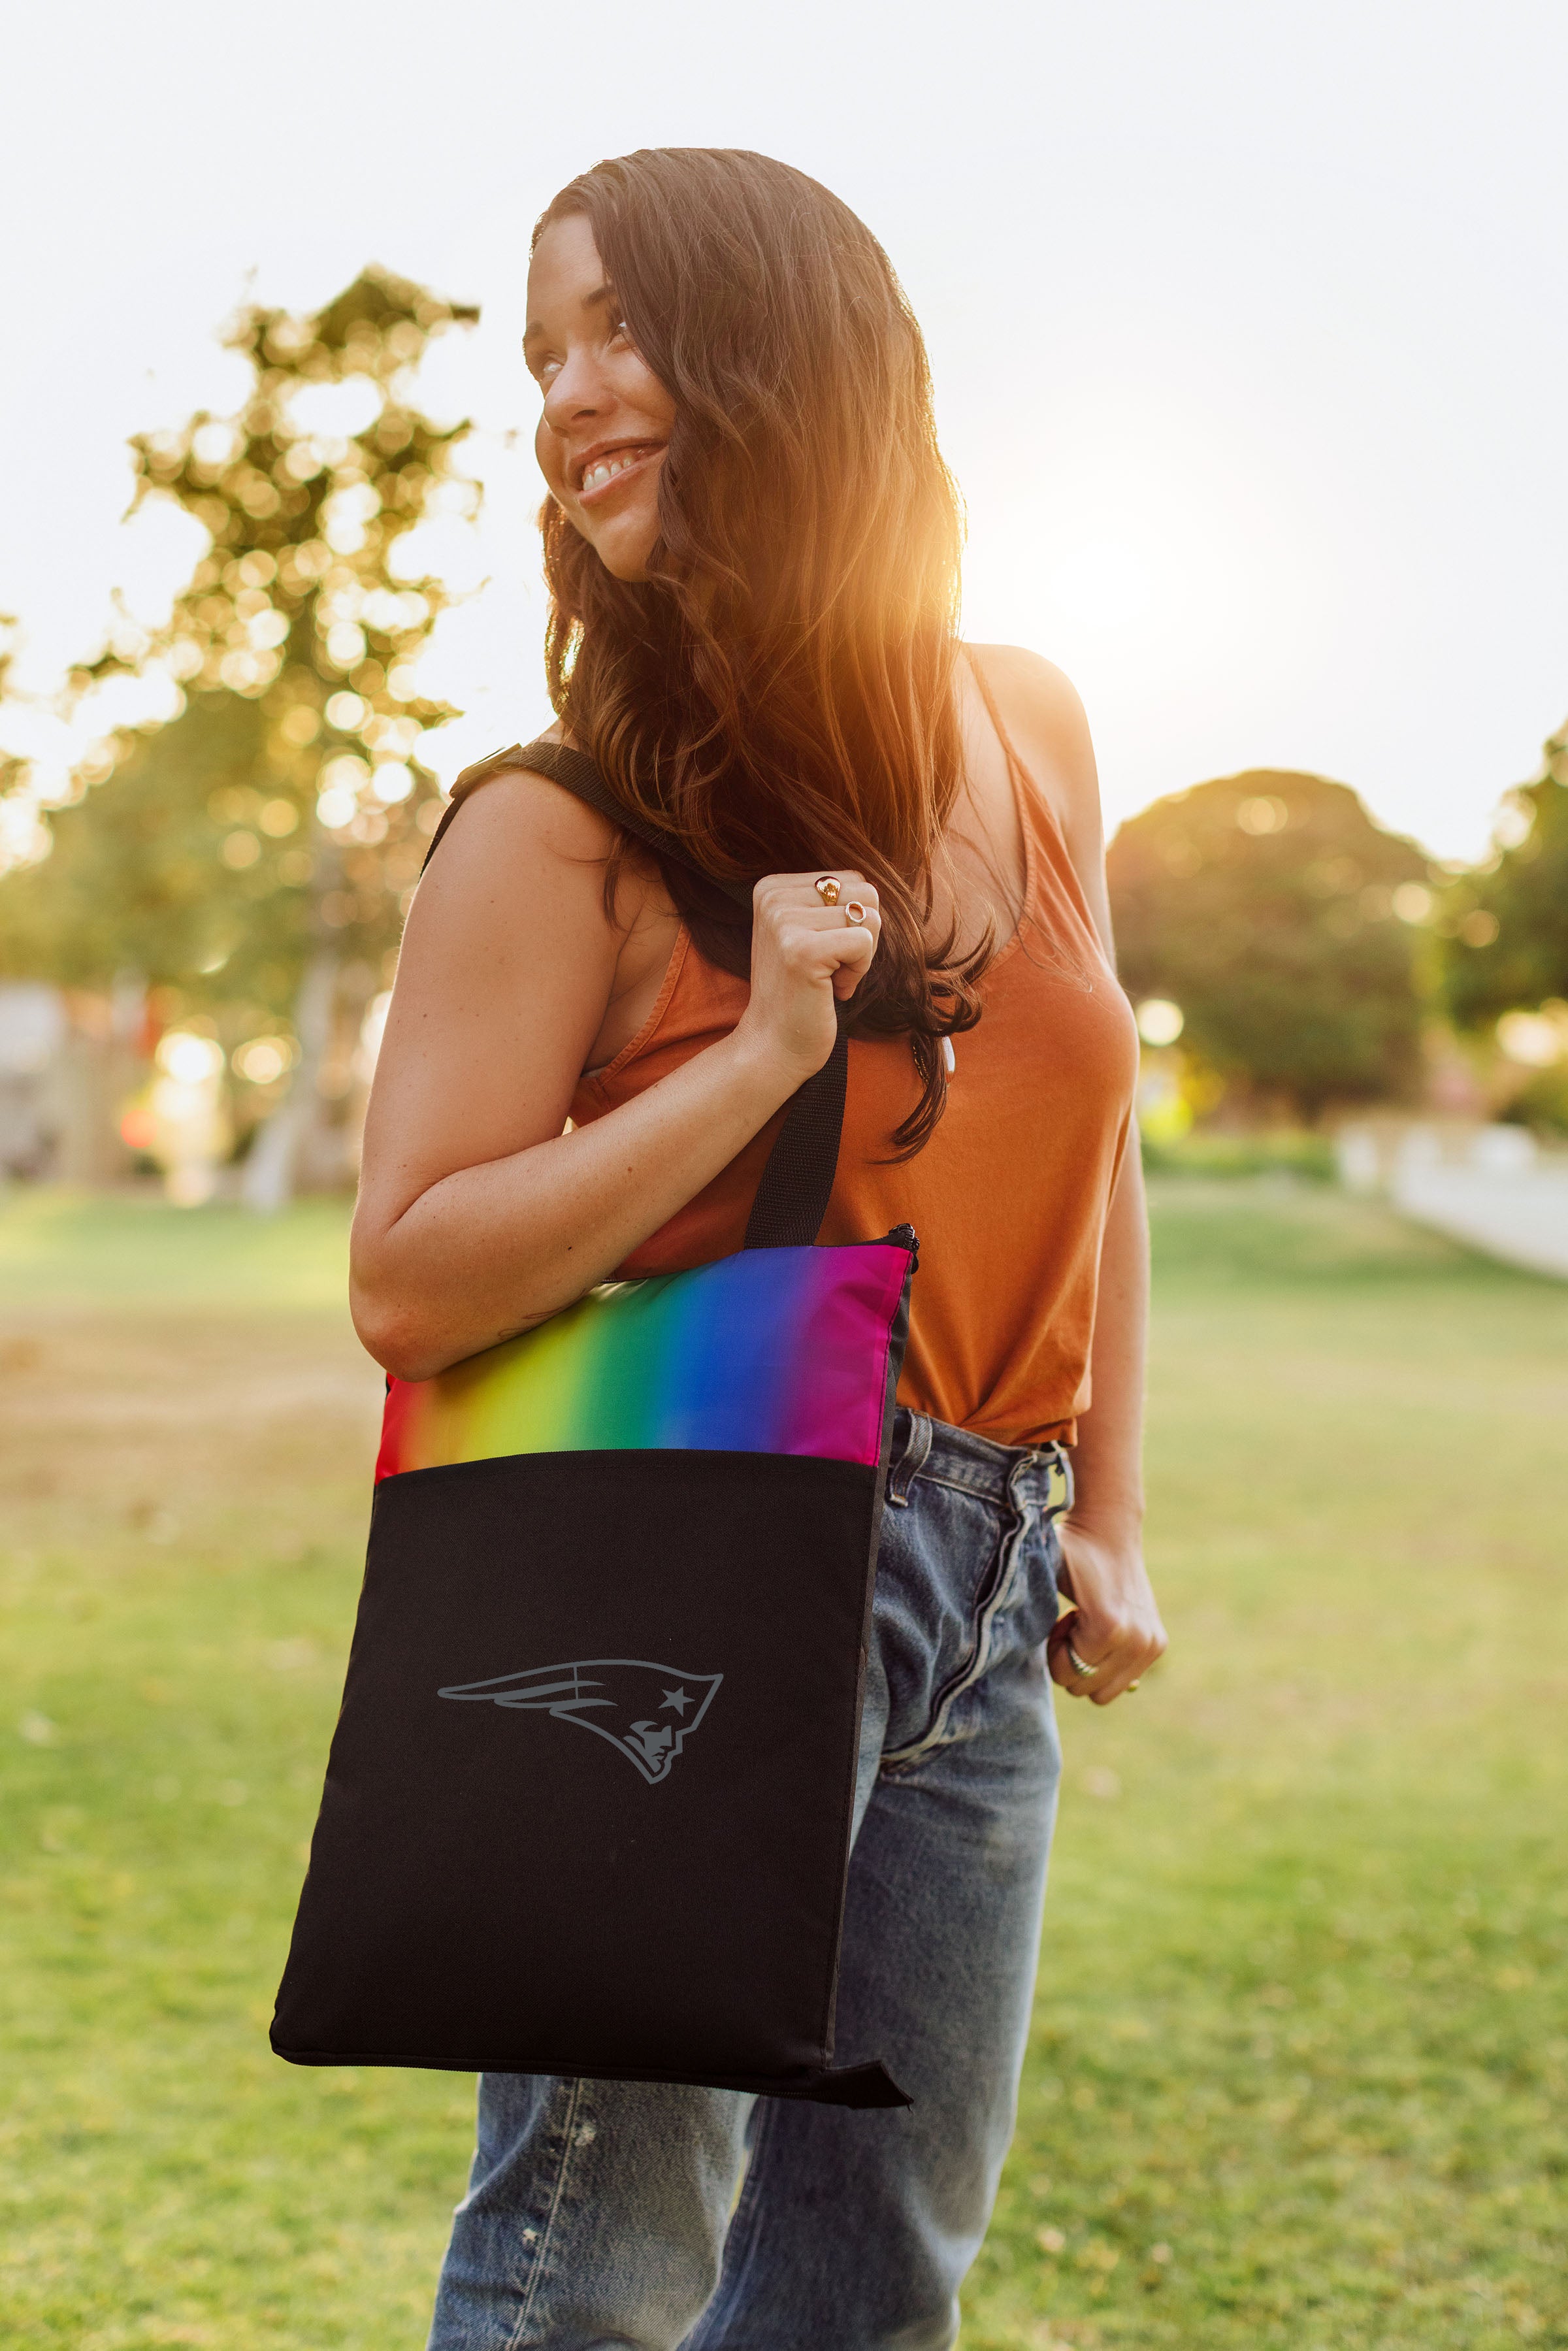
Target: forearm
{"type": "Point", "coordinates": [1108, 1459]}
{"type": "Point", "coordinates": [490, 1250]}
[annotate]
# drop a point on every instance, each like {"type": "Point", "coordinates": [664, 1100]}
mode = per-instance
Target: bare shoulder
{"type": "Point", "coordinates": [1041, 711]}
{"type": "Point", "coordinates": [511, 909]}
{"type": "Point", "coordinates": [519, 815]}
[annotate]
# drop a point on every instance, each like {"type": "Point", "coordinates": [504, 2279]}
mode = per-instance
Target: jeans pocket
{"type": "Point", "coordinates": [956, 1573]}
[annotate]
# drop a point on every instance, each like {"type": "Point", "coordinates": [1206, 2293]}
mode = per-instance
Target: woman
{"type": "Point", "coordinates": [751, 547]}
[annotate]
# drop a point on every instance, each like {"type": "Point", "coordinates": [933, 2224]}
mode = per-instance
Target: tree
{"type": "Point", "coordinates": [248, 854]}
{"type": "Point", "coordinates": [1267, 906]}
{"type": "Point", "coordinates": [1505, 926]}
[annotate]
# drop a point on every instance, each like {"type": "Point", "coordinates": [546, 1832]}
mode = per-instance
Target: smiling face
{"type": "Point", "coordinates": [607, 418]}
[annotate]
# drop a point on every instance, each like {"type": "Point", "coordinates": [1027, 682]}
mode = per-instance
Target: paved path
{"type": "Point", "coordinates": [1520, 1215]}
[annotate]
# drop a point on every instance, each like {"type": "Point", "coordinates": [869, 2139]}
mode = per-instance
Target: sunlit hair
{"type": "Point", "coordinates": [779, 692]}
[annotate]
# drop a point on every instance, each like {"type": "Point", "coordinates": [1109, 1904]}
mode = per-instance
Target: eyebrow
{"type": "Point", "coordinates": [600, 296]}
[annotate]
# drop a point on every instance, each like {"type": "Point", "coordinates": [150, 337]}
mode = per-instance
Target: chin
{"type": "Point", "coordinates": [622, 562]}
{"type": "Point", "coordinates": [624, 545]}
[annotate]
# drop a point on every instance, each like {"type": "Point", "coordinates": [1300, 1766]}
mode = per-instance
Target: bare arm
{"type": "Point", "coordinates": [1117, 1624]}
{"type": "Point", "coordinates": [477, 1216]}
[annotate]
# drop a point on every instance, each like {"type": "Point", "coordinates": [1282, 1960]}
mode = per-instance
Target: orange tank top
{"type": "Point", "coordinates": [1008, 1197]}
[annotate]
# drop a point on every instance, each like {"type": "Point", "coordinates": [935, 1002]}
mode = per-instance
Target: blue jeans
{"type": "Point", "coordinates": [640, 2214]}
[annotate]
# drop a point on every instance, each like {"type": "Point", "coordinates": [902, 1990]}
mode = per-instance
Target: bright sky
{"type": "Point", "coordinates": [1248, 322]}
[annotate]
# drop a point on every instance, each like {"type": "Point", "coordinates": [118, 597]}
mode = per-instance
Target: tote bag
{"type": "Point", "coordinates": [588, 1804]}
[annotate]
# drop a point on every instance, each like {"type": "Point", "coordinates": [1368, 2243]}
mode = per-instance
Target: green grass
{"type": "Point", "coordinates": [1302, 2043]}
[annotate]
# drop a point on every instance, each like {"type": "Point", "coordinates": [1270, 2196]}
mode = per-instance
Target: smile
{"type": "Point", "coordinates": [612, 466]}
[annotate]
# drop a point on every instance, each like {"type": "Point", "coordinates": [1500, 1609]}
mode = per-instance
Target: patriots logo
{"type": "Point", "coordinates": [647, 1711]}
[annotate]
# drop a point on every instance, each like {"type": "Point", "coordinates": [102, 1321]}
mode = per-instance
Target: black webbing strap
{"type": "Point", "coordinates": [792, 1196]}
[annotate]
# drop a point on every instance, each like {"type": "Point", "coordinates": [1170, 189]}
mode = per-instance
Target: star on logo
{"type": "Point", "coordinates": [610, 1696]}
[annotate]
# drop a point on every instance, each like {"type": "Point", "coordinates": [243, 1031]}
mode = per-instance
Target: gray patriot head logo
{"type": "Point", "coordinates": [647, 1711]}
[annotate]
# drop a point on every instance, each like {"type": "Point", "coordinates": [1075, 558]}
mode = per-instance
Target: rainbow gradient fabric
{"type": "Point", "coordinates": [772, 1351]}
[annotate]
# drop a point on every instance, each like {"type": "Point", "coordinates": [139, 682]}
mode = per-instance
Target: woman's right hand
{"type": "Point", "coordinates": [805, 955]}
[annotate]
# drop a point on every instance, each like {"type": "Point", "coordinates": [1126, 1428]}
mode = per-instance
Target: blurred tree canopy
{"type": "Point", "coordinates": [1268, 907]}
{"type": "Point", "coordinates": [284, 812]}
{"type": "Point", "coordinates": [1506, 928]}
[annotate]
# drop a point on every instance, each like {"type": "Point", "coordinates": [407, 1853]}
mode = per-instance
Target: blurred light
{"type": "Point", "coordinates": [1264, 813]}
{"type": "Point", "coordinates": [368, 827]}
{"type": "Point", "coordinates": [264, 1060]}
{"type": "Point", "coordinates": [1163, 1113]}
{"type": "Point", "coordinates": [139, 1129]}
{"type": "Point", "coordinates": [345, 644]}
{"type": "Point", "coordinates": [278, 818]}
{"type": "Point", "coordinates": [342, 409]}
{"type": "Point", "coordinates": [346, 773]}
{"type": "Point", "coordinates": [392, 782]}
{"type": "Point", "coordinates": [189, 1060]}
{"type": "Point", "coordinates": [300, 725]}
{"type": "Point", "coordinates": [1534, 1039]}
{"type": "Point", "coordinates": [345, 710]}
{"type": "Point", "coordinates": [372, 1028]}
{"type": "Point", "coordinates": [1479, 928]}
{"type": "Point", "coordinates": [403, 682]}
{"type": "Point", "coordinates": [24, 837]}
{"type": "Point", "coordinates": [1413, 902]}
{"type": "Point", "coordinates": [213, 445]}
{"type": "Point", "coordinates": [240, 849]}
{"type": "Point", "coordinates": [1160, 1022]}
{"type": "Point", "coordinates": [335, 807]}
{"type": "Point", "coordinates": [1514, 822]}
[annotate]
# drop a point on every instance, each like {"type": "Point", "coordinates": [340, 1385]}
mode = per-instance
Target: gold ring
{"type": "Point", "coordinates": [1078, 1666]}
{"type": "Point", "coordinates": [1131, 1687]}
{"type": "Point", "coordinates": [827, 889]}
{"type": "Point", "coordinates": [854, 911]}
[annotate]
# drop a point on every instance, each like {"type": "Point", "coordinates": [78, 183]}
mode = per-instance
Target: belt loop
{"type": "Point", "coordinates": [1055, 1458]}
{"type": "Point", "coordinates": [911, 1461]}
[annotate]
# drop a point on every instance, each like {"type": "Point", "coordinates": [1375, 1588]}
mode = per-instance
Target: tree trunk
{"type": "Point", "coordinates": [272, 1169]}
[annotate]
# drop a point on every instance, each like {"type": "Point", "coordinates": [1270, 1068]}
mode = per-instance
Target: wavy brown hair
{"type": "Point", "coordinates": [778, 693]}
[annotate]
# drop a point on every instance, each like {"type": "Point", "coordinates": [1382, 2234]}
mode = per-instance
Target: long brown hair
{"type": "Point", "coordinates": [778, 693]}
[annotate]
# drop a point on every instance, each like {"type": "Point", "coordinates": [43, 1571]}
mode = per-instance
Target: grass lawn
{"type": "Point", "coordinates": [1298, 2076]}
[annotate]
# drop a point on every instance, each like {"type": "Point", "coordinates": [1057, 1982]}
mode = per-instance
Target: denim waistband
{"type": "Point", "coordinates": [1017, 1474]}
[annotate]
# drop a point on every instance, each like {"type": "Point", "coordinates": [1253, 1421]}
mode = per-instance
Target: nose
{"type": "Point", "coordinates": [578, 388]}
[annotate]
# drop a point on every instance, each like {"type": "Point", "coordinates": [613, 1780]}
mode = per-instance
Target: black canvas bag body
{"type": "Point", "coordinates": [587, 1806]}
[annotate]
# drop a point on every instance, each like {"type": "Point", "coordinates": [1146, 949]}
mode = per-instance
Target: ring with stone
{"type": "Point", "coordinates": [826, 888]}
{"type": "Point", "coordinates": [854, 913]}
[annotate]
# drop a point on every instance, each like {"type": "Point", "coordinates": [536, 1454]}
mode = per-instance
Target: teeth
{"type": "Point", "coordinates": [604, 469]}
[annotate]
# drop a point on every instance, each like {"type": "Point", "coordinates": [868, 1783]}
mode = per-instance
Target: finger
{"type": "Point", "coordinates": [816, 917]}
{"type": "Point", "coordinates": [1115, 1661]}
{"type": "Point", "coordinates": [1126, 1664]}
{"type": "Point", "coordinates": [854, 958]}
{"type": "Point", "coordinates": [801, 889]}
{"type": "Point", "coordinates": [1061, 1651]}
